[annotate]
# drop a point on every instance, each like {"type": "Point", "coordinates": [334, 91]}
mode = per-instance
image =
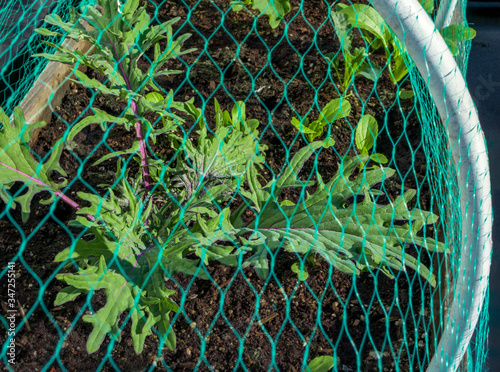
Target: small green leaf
{"type": "Point", "coordinates": [379, 158]}
{"type": "Point", "coordinates": [316, 128]}
{"type": "Point", "coordinates": [406, 94]}
{"type": "Point", "coordinates": [335, 109]}
{"type": "Point", "coordinates": [372, 71]}
{"type": "Point", "coordinates": [453, 46]}
{"type": "Point", "coordinates": [366, 133]}
{"type": "Point", "coordinates": [45, 32]}
{"type": "Point", "coordinates": [428, 5]}
{"type": "Point", "coordinates": [301, 274]}
{"type": "Point", "coordinates": [329, 142]}
{"type": "Point", "coordinates": [302, 127]}
{"type": "Point", "coordinates": [237, 7]}
{"type": "Point", "coordinates": [458, 33]}
{"type": "Point", "coordinates": [154, 97]}
{"type": "Point", "coordinates": [321, 364]}
{"type": "Point", "coordinates": [287, 203]}
{"type": "Point", "coordinates": [68, 294]}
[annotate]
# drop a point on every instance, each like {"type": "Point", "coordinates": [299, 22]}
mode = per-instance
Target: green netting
{"type": "Point", "coordinates": [275, 191]}
{"type": "Point", "coordinates": [18, 42]}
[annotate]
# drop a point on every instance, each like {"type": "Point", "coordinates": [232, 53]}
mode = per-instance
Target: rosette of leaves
{"type": "Point", "coordinates": [120, 257]}
{"type": "Point", "coordinates": [336, 109]}
{"type": "Point", "coordinates": [221, 158]}
{"type": "Point", "coordinates": [353, 236]}
{"type": "Point", "coordinates": [138, 242]}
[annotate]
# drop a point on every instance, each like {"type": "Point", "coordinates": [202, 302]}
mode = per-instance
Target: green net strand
{"type": "Point", "coordinates": [18, 42]}
{"type": "Point", "coordinates": [260, 60]}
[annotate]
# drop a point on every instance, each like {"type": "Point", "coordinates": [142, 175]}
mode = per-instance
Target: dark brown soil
{"type": "Point", "coordinates": [236, 319]}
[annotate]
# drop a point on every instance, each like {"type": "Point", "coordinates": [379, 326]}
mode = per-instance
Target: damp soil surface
{"type": "Point", "coordinates": [369, 322]}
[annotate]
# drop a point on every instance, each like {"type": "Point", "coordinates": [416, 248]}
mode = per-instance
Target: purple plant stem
{"type": "Point", "coordinates": [63, 197]}
{"type": "Point", "coordinates": [142, 147]}
{"type": "Point", "coordinates": [138, 131]}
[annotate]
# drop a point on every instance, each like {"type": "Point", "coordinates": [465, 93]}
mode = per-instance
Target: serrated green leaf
{"type": "Point", "coordinates": [326, 224]}
{"type": "Point", "coordinates": [100, 118]}
{"type": "Point", "coordinates": [119, 297]}
{"type": "Point", "coordinates": [68, 294]}
{"type": "Point", "coordinates": [140, 329]}
{"type": "Point", "coordinates": [97, 247]}
{"type": "Point", "coordinates": [93, 83]}
{"type": "Point", "coordinates": [17, 163]}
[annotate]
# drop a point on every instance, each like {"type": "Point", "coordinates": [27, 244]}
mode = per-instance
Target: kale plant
{"type": "Point", "coordinates": [177, 214]}
{"type": "Point", "coordinates": [119, 38]}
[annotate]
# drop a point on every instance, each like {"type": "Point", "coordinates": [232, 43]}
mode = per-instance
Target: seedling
{"type": "Point", "coordinates": [376, 34]}
{"type": "Point", "coordinates": [336, 109]}
{"type": "Point", "coordinates": [275, 9]}
{"type": "Point", "coordinates": [365, 137]}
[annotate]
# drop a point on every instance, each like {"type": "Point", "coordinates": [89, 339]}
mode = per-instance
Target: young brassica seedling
{"type": "Point", "coordinates": [365, 136]}
{"type": "Point", "coordinates": [376, 34]}
{"type": "Point", "coordinates": [275, 9]}
{"type": "Point", "coordinates": [336, 109]}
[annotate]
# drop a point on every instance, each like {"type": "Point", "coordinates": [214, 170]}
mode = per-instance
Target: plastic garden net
{"type": "Point", "coordinates": [250, 185]}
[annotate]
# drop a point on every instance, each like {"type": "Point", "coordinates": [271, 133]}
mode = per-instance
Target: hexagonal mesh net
{"type": "Point", "coordinates": [214, 185]}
